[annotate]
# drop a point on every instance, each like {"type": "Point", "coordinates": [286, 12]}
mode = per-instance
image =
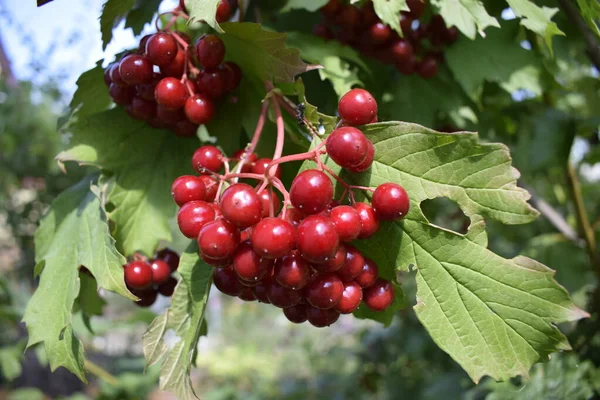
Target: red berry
{"type": "Point", "coordinates": [167, 288]}
{"type": "Point", "coordinates": [224, 11]}
{"type": "Point", "coordinates": [188, 188]}
{"type": "Point", "coordinates": [331, 8]}
{"type": "Point", "coordinates": [135, 69]}
{"type": "Point", "coordinates": [296, 314]}
{"type": "Point", "coordinates": [207, 158]}
{"type": "Point", "coordinates": [142, 45]}
{"type": "Point", "coordinates": [170, 93]}
{"type": "Point", "coordinates": [248, 265]}
{"type": "Point", "coordinates": [141, 109]}
{"type": "Point", "coordinates": [161, 272]}
{"type": "Point", "coordinates": [169, 116]}
{"type": "Point", "coordinates": [390, 202]}
{"type": "Point", "coordinates": [416, 7]}
{"type": "Point", "coordinates": [212, 185]}
{"type": "Point", "coordinates": [226, 281]}
{"type": "Point", "coordinates": [324, 290]}
{"type": "Point", "coordinates": [379, 33]}
{"type": "Point", "coordinates": [260, 167]}
{"type": "Point", "coordinates": [380, 295]}
{"type": "Point", "coordinates": [138, 275]}
{"type": "Point", "coordinates": [322, 31]}
{"type": "Point", "coordinates": [273, 237]}
{"type": "Point", "coordinates": [334, 263]}
{"type": "Point", "coordinates": [451, 35]}
{"type": "Point", "coordinates": [176, 67]}
{"type": "Point", "coordinates": [366, 164]}
{"type": "Point", "coordinates": [292, 272]}
{"type": "Point", "coordinates": [122, 95]}
{"type": "Point", "coordinates": [408, 67]}
{"type": "Point", "coordinates": [368, 219]}
{"type": "Point", "coordinates": [282, 297]}
{"type": "Point", "coordinates": [246, 294]}
{"type": "Point", "coordinates": [161, 48]}
{"type": "Point", "coordinates": [220, 263]}
{"type": "Point", "coordinates": [170, 257]}
{"type": "Point", "coordinates": [351, 298]}
{"type": "Point", "coordinates": [347, 222]}
{"type": "Point", "coordinates": [249, 159]}
{"type": "Point", "coordinates": [185, 128]}
{"type": "Point", "coordinates": [293, 216]}
{"type": "Point", "coordinates": [311, 191]}
{"type": "Point", "coordinates": [241, 205]}
{"type": "Point", "coordinates": [357, 107]}
{"type": "Point", "coordinates": [218, 239]}
{"type": "Point", "coordinates": [115, 75]}
{"type": "Point", "coordinates": [147, 298]}
{"type": "Point", "coordinates": [317, 239]}
{"type": "Point", "coordinates": [193, 216]}
{"type": "Point", "coordinates": [233, 74]}
{"type": "Point", "coordinates": [212, 82]}
{"type": "Point", "coordinates": [107, 78]}
{"type": "Point", "coordinates": [210, 51]}
{"type": "Point", "coordinates": [428, 67]}
{"type": "Point", "coordinates": [401, 51]}
{"type": "Point", "coordinates": [353, 265]}
{"type": "Point", "coordinates": [199, 109]}
{"type": "Point", "coordinates": [347, 146]}
{"type": "Point", "coordinates": [321, 318]}
{"type": "Point", "coordinates": [368, 275]}
{"type": "Point", "coordinates": [405, 23]}
{"type": "Point", "coordinates": [270, 201]}
{"type": "Point", "coordinates": [182, 5]}
{"type": "Point", "coordinates": [260, 292]}
{"type": "Point", "coordinates": [349, 17]}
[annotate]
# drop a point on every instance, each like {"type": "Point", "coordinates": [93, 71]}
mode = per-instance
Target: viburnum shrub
{"type": "Point", "coordinates": [318, 215]}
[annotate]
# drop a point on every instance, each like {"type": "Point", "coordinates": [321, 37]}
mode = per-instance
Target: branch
{"type": "Point", "coordinates": [101, 373]}
{"type": "Point", "coordinates": [593, 47]}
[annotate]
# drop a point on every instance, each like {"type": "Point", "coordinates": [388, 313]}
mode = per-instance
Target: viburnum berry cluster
{"type": "Point", "coordinates": [297, 255]}
{"type": "Point", "coordinates": [162, 84]}
{"type": "Point", "coordinates": [146, 278]}
{"type": "Point", "coordinates": [419, 51]}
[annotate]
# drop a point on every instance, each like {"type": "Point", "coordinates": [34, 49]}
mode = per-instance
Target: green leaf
{"type": "Point", "coordinates": [590, 11]}
{"type": "Point", "coordinates": [389, 12]}
{"type": "Point", "coordinates": [537, 19]}
{"type": "Point", "coordinates": [73, 233]}
{"type": "Point", "coordinates": [89, 300]}
{"type": "Point", "coordinates": [141, 15]}
{"type": "Point", "coordinates": [262, 54]}
{"type": "Point", "coordinates": [309, 5]}
{"type": "Point", "coordinates": [26, 394]}
{"type": "Point", "coordinates": [469, 16]}
{"type": "Point", "coordinates": [333, 57]}
{"type": "Point", "coordinates": [145, 162]}
{"type": "Point", "coordinates": [493, 316]}
{"type": "Point", "coordinates": [91, 95]}
{"type": "Point", "coordinates": [185, 317]}
{"type": "Point", "coordinates": [203, 10]}
{"type": "Point", "coordinates": [10, 361]}
{"type": "Point", "coordinates": [113, 12]}
{"type": "Point", "coordinates": [496, 58]}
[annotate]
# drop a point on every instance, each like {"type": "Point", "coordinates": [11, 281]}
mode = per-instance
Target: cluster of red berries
{"type": "Point", "coordinates": [147, 278]}
{"type": "Point", "coordinates": [299, 259]}
{"type": "Point", "coordinates": [160, 83]}
{"type": "Point", "coordinates": [419, 51]}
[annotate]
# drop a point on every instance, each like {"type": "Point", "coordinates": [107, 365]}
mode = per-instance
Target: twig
{"type": "Point", "coordinates": [100, 372]}
{"type": "Point", "coordinates": [593, 47]}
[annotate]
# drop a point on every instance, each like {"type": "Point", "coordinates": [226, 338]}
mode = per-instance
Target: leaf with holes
{"type": "Point", "coordinates": [494, 316]}
{"type": "Point", "coordinates": [185, 317]}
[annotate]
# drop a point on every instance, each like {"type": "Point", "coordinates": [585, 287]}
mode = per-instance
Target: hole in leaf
{"type": "Point", "coordinates": [445, 213]}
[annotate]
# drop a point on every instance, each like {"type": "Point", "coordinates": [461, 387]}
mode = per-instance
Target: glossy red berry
{"type": "Point", "coordinates": [349, 16]}
{"type": "Point", "coordinates": [212, 82]}
{"type": "Point", "coordinates": [353, 265]}
{"type": "Point", "coordinates": [270, 202]}
{"type": "Point", "coordinates": [408, 67]}
{"type": "Point", "coordinates": [141, 109]}
{"type": "Point", "coordinates": [185, 128]}
{"type": "Point", "coordinates": [170, 93]}
{"type": "Point", "coordinates": [368, 275]}
{"type": "Point", "coordinates": [351, 298]}
{"type": "Point", "coordinates": [380, 295]}
{"type": "Point", "coordinates": [428, 67]}
{"type": "Point", "coordinates": [217, 263]}
{"type": "Point", "coordinates": [224, 11]}
{"type": "Point", "coordinates": [317, 239]}
{"type": "Point", "coordinates": [324, 290]}
{"type": "Point", "coordinates": [182, 5]}
{"type": "Point", "coordinates": [366, 164]}
{"type": "Point", "coordinates": [293, 216]}
{"type": "Point", "coordinates": [169, 116]}
{"type": "Point", "coordinates": [199, 109]}
{"type": "Point", "coordinates": [170, 257]}
{"type": "Point", "coordinates": [357, 107]}
{"type": "Point", "coordinates": [226, 281]}
{"type": "Point", "coordinates": [247, 294]}
{"type": "Point", "coordinates": [192, 216]}
{"type": "Point", "coordinates": [273, 237]}
{"type": "Point", "coordinates": [212, 185]}
{"type": "Point", "coordinates": [292, 271]}
{"type": "Point", "coordinates": [161, 272]}
{"type": "Point", "coordinates": [241, 205]}
{"type": "Point", "coordinates": [146, 90]}
{"type": "Point", "coordinates": [416, 7]}
{"type": "Point", "coordinates": [401, 51]}
{"type": "Point", "coordinates": [207, 158]}
{"type": "Point", "coordinates": [296, 314]}
{"type": "Point", "coordinates": [451, 35]}
{"type": "Point", "coordinates": [249, 159]}
{"type": "Point", "coordinates": [176, 67]}
{"type": "Point", "coordinates": [107, 78]}
{"type": "Point", "coordinates": [147, 298]}
{"type": "Point", "coordinates": [260, 167]}
{"type": "Point", "coordinates": [161, 48]}
{"type": "Point", "coordinates": [347, 146]}
{"type": "Point", "coordinates": [282, 297]}
{"type": "Point", "coordinates": [167, 288]}
{"type": "Point", "coordinates": [218, 239]}
{"type": "Point", "coordinates": [115, 75]}
{"type": "Point", "coordinates": [347, 222]}
{"type": "Point", "coordinates": [311, 191]}
{"type": "Point", "coordinates": [368, 219]}
{"type": "Point", "coordinates": [334, 263]}
{"type": "Point", "coordinates": [260, 292]}
{"type": "Point", "coordinates": [122, 95]}
{"type": "Point", "coordinates": [234, 75]}
{"type": "Point", "coordinates": [210, 51]}
{"type": "Point", "coordinates": [248, 265]}
{"type": "Point", "coordinates": [321, 318]}
{"type": "Point", "coordinates": [188, 188]}
{"type": "Point", "coordinates": [379, 33]}
{"type": "Point", "coordinates": [332, 8]}
{"type": "Point", "coordinates": [135, 69]}
{"type": "Point", "coordinates": [390, 202]}
{"type": "Point", "coordinates": [138, 275]}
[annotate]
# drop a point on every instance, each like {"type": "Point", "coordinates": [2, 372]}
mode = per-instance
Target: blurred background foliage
{"type": "Point", "coordinates": [252, 352]}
